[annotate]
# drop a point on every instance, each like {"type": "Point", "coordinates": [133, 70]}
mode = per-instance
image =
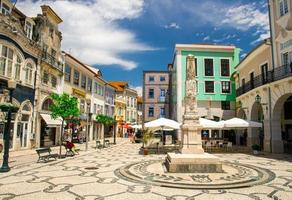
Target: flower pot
{"type": "Point", "coordinates": [145, 151]}
{"type": "Point", "coordinates": [255, 152]}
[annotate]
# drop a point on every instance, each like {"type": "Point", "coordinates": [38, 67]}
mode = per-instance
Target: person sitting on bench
{"type": "Point", "coordinates": [71, 147]}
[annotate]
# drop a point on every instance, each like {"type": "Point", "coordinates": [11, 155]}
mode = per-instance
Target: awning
{"type": "Point", "coordinates": [163, 123]}
{"type": "Point", "coordinates": [210, 124]}
{"type": "Point", "coordinates": [50, 121]}
{"type": "Point", "coordinates": [241, 123]}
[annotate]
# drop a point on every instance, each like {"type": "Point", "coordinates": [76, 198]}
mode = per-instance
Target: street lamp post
{"type": "Point", "coordinates": [115, 133]}
{"type": "Point", "coordinates": [87, 130]}
{"type": "Point", "coordinates": [5, 167]}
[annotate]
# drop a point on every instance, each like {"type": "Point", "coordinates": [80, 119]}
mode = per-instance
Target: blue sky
{"type": "Point", "coordinates": [123, 38]}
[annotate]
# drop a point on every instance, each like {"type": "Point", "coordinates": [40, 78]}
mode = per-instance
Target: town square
{"type": "Point", "coordinates": [145, 99]}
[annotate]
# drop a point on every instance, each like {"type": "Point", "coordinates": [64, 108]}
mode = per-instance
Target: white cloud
{"type": "Point", "coordinates": [172, 25]}
{"type": "Point", "coordinates": [91, 30]}
{"type": "Point", "coordinates": [206, 38]}
{"type": "Point", "coordinates": [239, 15]}
{"type": "Point", "coordinates": [245, 17]}
{"type": "Point", "coordinates": [217, 40]}
{"type": "Point", "coordinates": [139, 89]}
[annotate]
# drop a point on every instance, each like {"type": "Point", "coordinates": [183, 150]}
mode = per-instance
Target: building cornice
{"type": "Point", "coordinates": [205, 47]}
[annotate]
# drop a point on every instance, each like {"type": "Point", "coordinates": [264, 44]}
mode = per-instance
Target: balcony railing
{"type": "Point", "coordinates": [262, 79]}
{"type": "Point", "coordinates": [162, 99]}
{"type": "Point", "coordinates": [51, 60]}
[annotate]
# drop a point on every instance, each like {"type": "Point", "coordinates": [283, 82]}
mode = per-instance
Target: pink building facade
{"type": "Point", "coordinates": [155, 95]}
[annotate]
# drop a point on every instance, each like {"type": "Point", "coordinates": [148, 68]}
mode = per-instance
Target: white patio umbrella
{"type": "Point", "coordinates": [241, 123]}
{"type": "Point", "coordinates": [137, 126]}
{"type": "Point", "coordinates": [163, 123]}
{"type": "Point", "coordinates": [210, 124]}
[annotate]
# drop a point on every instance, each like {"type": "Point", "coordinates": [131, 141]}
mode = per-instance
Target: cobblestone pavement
{"type": "Point", "coordinates": [93, 175]}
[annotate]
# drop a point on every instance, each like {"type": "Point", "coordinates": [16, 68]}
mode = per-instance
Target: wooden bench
{"type": "Point", "coordinates": [106, 143]}
{"type": "Point", "coordinates": [45, 154]}
{"type": "Point", "coordinates": [98, 144]}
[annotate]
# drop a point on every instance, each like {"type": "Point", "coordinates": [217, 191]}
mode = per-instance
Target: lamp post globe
{"type": "Point", "coordinates": [258, 98]}
{"type": "Point", "coordinates": [5, 166]}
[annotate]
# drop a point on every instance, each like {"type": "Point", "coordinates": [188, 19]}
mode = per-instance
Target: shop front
{"type": "Point", "coordinates": [50, 130]}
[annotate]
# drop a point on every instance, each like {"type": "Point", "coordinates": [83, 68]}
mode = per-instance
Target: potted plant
{"type": "Point", "coordinates": [256, 148]}
{"type": "Point", "coordinates": [5, 107]}
{"type": "Point", "coordinates": [147, 135]}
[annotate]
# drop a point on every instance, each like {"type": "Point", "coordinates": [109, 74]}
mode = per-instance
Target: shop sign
{"type": "Point", "coordinates": [78, 93]}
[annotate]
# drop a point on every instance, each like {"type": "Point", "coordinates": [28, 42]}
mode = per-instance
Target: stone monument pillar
{"type": "Point", "coordinates": [191, 130]}
{"type": "Point", "coordinates": [192, 158]}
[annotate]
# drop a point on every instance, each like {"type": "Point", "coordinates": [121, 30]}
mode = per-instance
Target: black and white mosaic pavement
{"type": "Point", "coordinates": [235, 175]}
{"type": "Point", "coordinates": [98, 175]}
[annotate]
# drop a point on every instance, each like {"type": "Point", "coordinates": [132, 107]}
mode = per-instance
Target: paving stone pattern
{"type": "Point", "coordinates": [94, 175]}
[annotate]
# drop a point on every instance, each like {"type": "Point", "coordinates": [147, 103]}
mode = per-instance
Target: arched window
{"type": "Point", "coordinates": [6, 61]}
{"type": "Point", "coordinates": [47, 103]}
{"type": "Point", "coordinates": [10, 62]}
{"type": "Point", "coordinates": [28, 73]}
{"type": "Point", "coordinates": [26, 107]}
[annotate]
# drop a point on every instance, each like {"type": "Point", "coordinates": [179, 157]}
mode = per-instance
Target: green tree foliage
{"type": "Point", "coordinates": [106, 120]}
{"type": "Point", "coordinates": [64, 106]}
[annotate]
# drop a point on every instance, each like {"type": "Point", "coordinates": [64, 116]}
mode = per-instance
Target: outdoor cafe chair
{"type": "Point", "coordinates": [229, 145]}
{"type": "Point", "coordinates": [208, 146]}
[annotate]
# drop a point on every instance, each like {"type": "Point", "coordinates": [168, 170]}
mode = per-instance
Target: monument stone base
{"type": "Point", "coordinates": [193, 163]}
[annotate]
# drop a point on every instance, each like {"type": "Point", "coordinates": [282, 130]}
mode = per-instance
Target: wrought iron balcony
{"type": "Point", "coordinates": [51, 60]}
{"type": "Point", "coordinates": [269, 77]}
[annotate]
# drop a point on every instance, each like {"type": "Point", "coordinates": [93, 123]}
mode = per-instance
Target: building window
{"type": "Point", "coordinates": [28, 73]}
{"type": "Point", "coordinates": [162, 112]}
{"type": "Point", "coordinates": [54, 53]}
{"type": "Point", "coordinates": [251, 79]}
{"type": "Point", "coordinates": [209, 67]}
{"type": "Point", "coordinates": [5, 9]}
{"type": "Point", "coordinates": [76, 77]}
{"type": "Point", "coordinates": [151, 112]}
{"type": "Point", "coordinates": [225, 86]}
{"type": "Point", "coordinates": [225, 69]}
{"type": "Point", "coordinates": [45, 77]}
{"type": "Point", "coordinates": [83, 81]}
{"type": "Point", "coordinates": [162, 78]}
{"type": "Point", "coordinates": [151, 79]}
{"type": "Point", "coordinates": [209, 86]}
{"type": "Point", "coordinates": [196, 68]}
{"type": "Point", "coordinates": [225, 105]}
{"type": "Point", "coordinates": [162, 92]}
{"type": "Point", "coordinates": [28, 29]}
{"type": "Point", "coordinates": [47, 103]}
{"type": "Point", "coordinates": [6, 61]}
{"type": "Point", "coordinates": [283, 7]}
{"type": "Point", "coordinates": [17, 68]}
{"type": "Point", "coordinates": [264, 71]}
{"type": "Point", "coordinates": [89, 84]}
{"type": "Point", "coordinates": [151, 94]}
{"type": "Point", "coordinates": [285, 58]}
{"type": "Point", "coordinates": [54, 81]}
{"type": "Point", "coordinates": [82, 105]}
{"type": "Point", "coordinates": [68, 73]}
{"type": "Point", "coordinates": [100, 90]}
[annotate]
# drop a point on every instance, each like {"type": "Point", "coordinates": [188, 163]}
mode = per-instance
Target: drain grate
{"type": "Point", "coordinates": [91, 168]}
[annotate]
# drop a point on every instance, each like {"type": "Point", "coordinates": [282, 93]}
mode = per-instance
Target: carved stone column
{"type": "Point", "coordinates": [191, 130]}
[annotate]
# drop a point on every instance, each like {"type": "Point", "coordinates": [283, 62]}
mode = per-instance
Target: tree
{"type": "Point", "coordinates": [65, 107]}
{"type": "Point", "coordinates": [105, 120]}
